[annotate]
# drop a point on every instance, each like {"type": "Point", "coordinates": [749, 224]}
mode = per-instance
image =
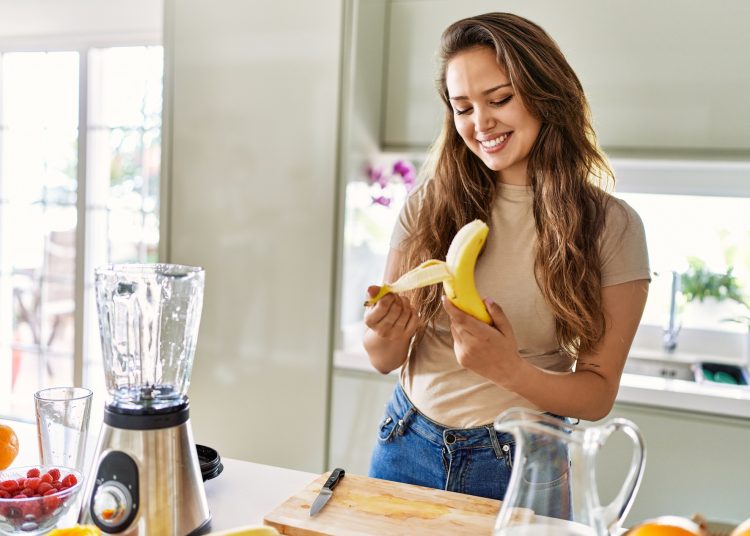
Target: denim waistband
{"type": "Point", "coordinates": [456, 438]}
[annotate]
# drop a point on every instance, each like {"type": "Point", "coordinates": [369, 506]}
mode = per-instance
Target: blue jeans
{"type": "Point", "coordinates": [413, 449]}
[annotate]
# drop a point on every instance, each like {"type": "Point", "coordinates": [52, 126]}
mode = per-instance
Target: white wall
{"type": "Point", "coordinates": [253, 100]}
{"type": "Point", "coordinates": [36, 22]}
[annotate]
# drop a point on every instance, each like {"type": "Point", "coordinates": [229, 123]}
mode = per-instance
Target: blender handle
{"type": "Point", "coordinates": [614, 513]}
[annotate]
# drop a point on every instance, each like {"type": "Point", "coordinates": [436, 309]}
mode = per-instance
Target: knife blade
{"type": "Point", "coordinates": [327, 490]}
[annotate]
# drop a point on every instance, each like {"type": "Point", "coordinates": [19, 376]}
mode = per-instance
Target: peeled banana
{"type": "Point", "coordinates": [456, 272]}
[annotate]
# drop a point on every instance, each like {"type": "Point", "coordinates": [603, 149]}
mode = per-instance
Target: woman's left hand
{"type": "Point", "coordinates": [489, 350]}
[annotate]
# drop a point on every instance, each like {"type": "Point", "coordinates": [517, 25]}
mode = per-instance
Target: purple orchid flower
{"type": "Point", "coordinates": [375, 176]}
{"type": "Point", "coordinates": [381, 200]}
{"type": "Point", "coordinates": [406, 170]}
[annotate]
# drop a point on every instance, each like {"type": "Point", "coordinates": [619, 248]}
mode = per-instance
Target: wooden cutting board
{"type": "Point", "coordinates": [362, 505]}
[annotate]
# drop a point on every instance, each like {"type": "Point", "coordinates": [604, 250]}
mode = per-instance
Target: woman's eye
{"type": "Point", "coordinates": [500, 102]}
{"type": "Point", "coordinates": [462, 112]}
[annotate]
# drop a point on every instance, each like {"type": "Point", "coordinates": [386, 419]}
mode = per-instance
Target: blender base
{"type": "Point", "coordinates": [145, 481]}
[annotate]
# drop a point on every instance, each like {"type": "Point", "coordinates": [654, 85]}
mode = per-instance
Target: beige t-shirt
{"type": "Point", "coordinates": [432, 378]}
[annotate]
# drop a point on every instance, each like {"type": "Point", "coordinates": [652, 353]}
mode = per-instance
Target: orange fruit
{"type": "Point", "coordinates": [8, 446]}
{"type": "Point", "coordinates": [666, 526]}
{"type": "Point", "coordinates": [743, 529]}
{"type": "Point", "coordinates": [652, 529]}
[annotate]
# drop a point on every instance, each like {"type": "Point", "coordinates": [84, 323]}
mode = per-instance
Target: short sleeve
{"type": "Point", "coordinates": [623, 250]}
{"type": "Point", "coordinates": [407, 217]}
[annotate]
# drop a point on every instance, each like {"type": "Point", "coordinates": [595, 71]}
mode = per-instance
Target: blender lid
{"type": "Point", "coordinates": [210, 462]}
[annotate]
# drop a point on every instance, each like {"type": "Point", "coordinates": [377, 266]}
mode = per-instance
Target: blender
{"type": "Point", "coordinates": [146, 477]}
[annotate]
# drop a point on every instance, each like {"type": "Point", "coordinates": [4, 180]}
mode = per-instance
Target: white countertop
{"type": "Point", "coordinates": [727, 401]}
{"type": "Point", "coordinates": [245, 492]}
{"type": "Point", "coordinates": [241, 495]}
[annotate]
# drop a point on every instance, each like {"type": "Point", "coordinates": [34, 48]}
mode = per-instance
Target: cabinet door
{"type": "Point", "coordinates": [694, 463]}
{"type": "Point", "coordinates": [253, 97]}
{"type": "Point", "coordinates": [357, 407]}
{"type": "Point", "coordinates": [668, 75]}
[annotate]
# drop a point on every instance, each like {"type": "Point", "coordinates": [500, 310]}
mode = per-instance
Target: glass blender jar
{"type": "Point", "coordinates": [148, 319]}
{"type": "Point", "coordinates": [146, 476]}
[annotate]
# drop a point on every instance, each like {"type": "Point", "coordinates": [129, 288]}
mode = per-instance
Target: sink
{"type": "Point", "coordinates": [660, 368]}
{"type": "Point", "coordinates": [720, 373]}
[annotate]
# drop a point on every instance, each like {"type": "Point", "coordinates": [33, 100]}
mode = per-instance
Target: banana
{"type": "Point", "coordinates": [456, 273]}
{"type": "Point", "coordinates": [462, 259]}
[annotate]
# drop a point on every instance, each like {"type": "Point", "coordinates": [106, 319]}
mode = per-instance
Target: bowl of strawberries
{"type": "Point", "coordinates": [34, 498]}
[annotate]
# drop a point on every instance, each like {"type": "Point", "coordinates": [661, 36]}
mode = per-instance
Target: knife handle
{"type": "Point", "coordinates": [336, 475]}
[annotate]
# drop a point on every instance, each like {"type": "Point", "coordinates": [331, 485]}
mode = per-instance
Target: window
{"type": "Point", "coordinates": [692, 208]}
{"type": "Point", "coordinates": [715, 230]}
{"type": "Point", "coordinates": [71, 199]}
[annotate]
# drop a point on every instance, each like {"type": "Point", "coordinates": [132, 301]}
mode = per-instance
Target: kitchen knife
{"type": "Point", "coordinates": [327, 490]}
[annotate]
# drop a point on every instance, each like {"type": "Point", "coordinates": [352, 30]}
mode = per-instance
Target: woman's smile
{"type": "Point", "coordinates": [495, 143]}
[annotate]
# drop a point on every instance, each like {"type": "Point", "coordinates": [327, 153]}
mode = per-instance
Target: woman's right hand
{"type": "Point", "coordinates": [392, 317]}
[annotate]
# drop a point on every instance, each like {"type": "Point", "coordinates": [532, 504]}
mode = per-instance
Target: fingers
{"type": "Point", "coordinates": [406, 313]}
{"type": "Point", "coordinates": [372, 290]}
{"type": "Point", "coordinates": [499, 320]}
{"type": "Point", "coordinates": [391, 316]}
{"type": "Point", "coordinates": [380, 310]}
{"type": "Point", "coordinates": [460, 321]}
{"type": "Point", "coordinates": [411, 325]}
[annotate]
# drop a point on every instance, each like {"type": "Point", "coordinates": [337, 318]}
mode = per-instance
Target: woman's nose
{"type": "Point", "coordinates": [484, 120]}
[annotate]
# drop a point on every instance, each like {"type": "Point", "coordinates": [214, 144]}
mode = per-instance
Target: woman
{"type": "Point", "coordinates": [564, 271]}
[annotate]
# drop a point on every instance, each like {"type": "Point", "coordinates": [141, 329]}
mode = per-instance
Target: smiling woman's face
{"type": "Point", "coordinates": [489, 115]}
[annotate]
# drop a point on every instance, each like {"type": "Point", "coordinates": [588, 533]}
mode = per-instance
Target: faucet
{"type": "Point", "coordinates": [669, 342]}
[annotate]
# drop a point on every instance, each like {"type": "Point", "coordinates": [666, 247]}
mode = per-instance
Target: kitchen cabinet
{"type": "Point", "coordinates": [665, 77]}
{"type": "Point", "coordinates": [357, 406]}
{"type": "Point", "coordinates": [694, 463]}
{"type": "Point", "coordinates": [251, 119]}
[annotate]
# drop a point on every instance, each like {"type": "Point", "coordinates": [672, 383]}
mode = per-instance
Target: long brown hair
{"type": "Point", "coordinates": [566, 170]}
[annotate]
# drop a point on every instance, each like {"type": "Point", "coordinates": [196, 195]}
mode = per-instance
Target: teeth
{"type": "Point", "coordinates": [493, 143]}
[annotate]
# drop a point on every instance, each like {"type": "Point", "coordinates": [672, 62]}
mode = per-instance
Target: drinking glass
{"type": "Point", "coordinates": [62, 423]}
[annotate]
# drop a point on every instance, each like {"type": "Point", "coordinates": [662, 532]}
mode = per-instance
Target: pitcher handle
{"type": "Point", "coordinates": [614, 513]}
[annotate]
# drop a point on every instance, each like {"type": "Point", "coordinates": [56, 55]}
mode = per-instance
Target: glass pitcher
{"type": "Point", "coordinates": [552, 488]}
{"type": "Point", "coordinates": [149, 316]}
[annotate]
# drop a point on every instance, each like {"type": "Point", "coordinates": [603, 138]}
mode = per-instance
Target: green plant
{"type": "Point", "coordinates": [699, 283]}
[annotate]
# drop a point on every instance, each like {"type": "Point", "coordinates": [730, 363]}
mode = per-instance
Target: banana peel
{"type": "Point", "coordinates": [456, 273]}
